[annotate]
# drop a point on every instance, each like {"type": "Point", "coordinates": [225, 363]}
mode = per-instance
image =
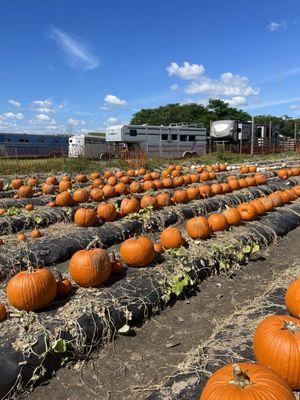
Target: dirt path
{"type": "Point", "coordinates": [131, 367]}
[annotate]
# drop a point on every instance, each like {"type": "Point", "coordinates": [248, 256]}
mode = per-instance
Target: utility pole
{"type": "Point", "coordinates": [252, 137]}
{"type": "Point", "coordinates": [295, 135]}
{"type": "Point", "coordinates": [270, 135]}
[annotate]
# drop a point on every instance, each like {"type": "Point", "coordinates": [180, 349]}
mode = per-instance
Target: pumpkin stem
{"type": "Point", "coordinates": [241, 378]}
{"type": "Point", "coordinates": [291, 327]}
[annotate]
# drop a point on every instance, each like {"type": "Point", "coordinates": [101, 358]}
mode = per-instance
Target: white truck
{"type": "Point", "coordinates": [173, 141]}
{"type": "Point", "coordinates": [88, 146]}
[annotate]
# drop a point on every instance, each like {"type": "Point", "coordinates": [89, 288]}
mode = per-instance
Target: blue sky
{"type": "Point", "coordinates": [89, 64]}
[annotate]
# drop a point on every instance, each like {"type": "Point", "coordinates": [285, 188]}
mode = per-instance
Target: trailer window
{"type": "Point", "coordinates": [192, 138]}
{"type": "Point", "coordinates": [7, 140]}
{"type": "Point", "coordinates": [133, 132]}
{"type": "Point", "coordinates": [174, 137]}
{"type": "Point", "coordinates": [183, 138]}
{"type": "Point", "coordinates": [164, 136]}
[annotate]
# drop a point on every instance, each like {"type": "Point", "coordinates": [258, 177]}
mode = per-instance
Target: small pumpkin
{"type": "Point", "coordinates": [90, 268]}
{"type": "Point", "coordinates": [135, 187]}
{"type": "Point", "coordinates": [234, 184]}
{"type": "Point", "coordinates": [81, 178]}
{"type": "Point", "coordinates": [64, 286]}
{"type": "Point", "coordinates": [85, 217]}
{"type": "Point", "coordinates": [97, 182]}
{"type": "Point", "coordinates": [148, 200]}
{"type": "Point", "coordinates": [245, 381]}
{"type": "Point", "coordinates": [171, 238]}
{"type": "Point", "coordinates": [29, 207]}
{"type": "Point", "coordinates": [129, 206]}
{"type": "Point", "coordinates": [3, 312]}
{"type": "Point", "coordinates": [32, 289]}
{"type": "Point", "coordinates": [167, 182]}
{"type": "Point", "coordinates": [149, 185]}
{"type": "Point", "coordinates": [163, 199]}
{"type": "Point", "coordinates": [130, 172]}
{"type": "Point", "coordinates": [137, 251]}
{"type": "Point", "coordinates": [205, 191]}
{"type": "Point", "coordinates": [108, 191]}
{"type": "Point", "coordinates": [36, 233]}
{"type": "Point", "coordinates": [276, 345]}
{"type": "Point", "coordinates": [64, 185]}
{"type": "Point", "coordinates": [25, 192]}
{"type": "Point", "coordinates": [260, 179]}
{"type": "Point", "coordinates": [81, 196]}
{"type": "Point", "coordinates": [283, 174]}
{"type": "Point", "coordinates": [107, 174]}
{"type": "Point", "coordinates": [107, 212]}
{"type": "Point", "coordinates": [21, 237]}
{"type": "Point", "coordinates": [48, 188]}
{"type": "Point", "coordinates": [233, 216]}
{"type": "Point", "coordinates": [112, 180]}
{"type": "Point", "coordinates": [96, 194]}
{"type": "Point", "coordinates": [121, 188]}
{"type": "Point", "coordinates": [51, 180]}
{"type": "Point", "coordinates": [198, 228]}
{"type": "Point", "coordinates": [252, 168]}
{"type": "Point", "coordinates": [180, 196]}
{"type": "Point", "coordinates": [244, 169]}
{"type": "Point", "coordinates": [2, 211]}
{"type": "Point", "coordinates": [204, 176]}
{"type": "Point", "coordinates": [125, 179]}
{"type": "Point", "coordinates": [16, 183]}
{"type": "Point", "coordinates": [192, 193]}
{"type": "Point", "coordinates": [51, 204]}
{"type": "Point", "coordinates": [217, 222]}
{"type": "Point", "coordinates": [94, 175]}
{"type": "Point", "coordinates": [248, 211]}
{"type": "Point", "coordinates": [178, 181]}
{"type": "Point", "coordinates": [158, 248]}
{"type": "Point", "coordinates": [32, 182]}
{"type": "Point", "coordinates": [251, 181]}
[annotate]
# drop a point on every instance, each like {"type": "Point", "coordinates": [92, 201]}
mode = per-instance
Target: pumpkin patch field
{"type": "Point", "coordinates": [85, 259]}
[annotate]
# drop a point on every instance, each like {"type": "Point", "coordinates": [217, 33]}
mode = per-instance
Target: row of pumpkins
{"type": "Point", "coordinates": [276, 346]}
{"type": "Point", "coordinates": [34, 289]}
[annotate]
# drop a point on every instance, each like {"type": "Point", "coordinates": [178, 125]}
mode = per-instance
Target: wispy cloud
{"type": "Point", "coordinates": [78, 55]}
{"type": "Point", "coordinates": [271, 103]}
{"type": "Point", "coordinates": [276, 25]}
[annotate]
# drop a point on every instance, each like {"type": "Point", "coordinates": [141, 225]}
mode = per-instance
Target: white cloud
{"type": "Point", "coordinates": [275, 26]}
{"type": "Point", "coordinates": [83, 130]}
{"type": "Point", "coordinates": [295, 107]}
{"type": "Point", "coordinates": [174, 87]}
{"type": "Point", "coordinates": [42, 106]}
{"type": "Point", "coordinates": [42, 103]}
{"type": "Point", "coordinates": [76, 122]}
{"type": "Point", "coordinates": [236, 101]}
{"type": "Point", "coordinates": [14, 116]}
{"type": "Point", "coordinates": [78, 55]}
{"type": "Point", "coordinates": [15, 103]}
{"type": "Point", "coordinates": [114, 100]}
{"type": "Point", "coordinates": [42, 117]}
{"type": "Point", "coordinates": [227, 85]}
{"type": "Point", "coordinates": [186, 71]}
{"type": "Point", "coordinates": [62, 105]}
{"type": "Point", "coordinates": [111, 121]}
{"type": "Point", "coordinates": [272, 103]}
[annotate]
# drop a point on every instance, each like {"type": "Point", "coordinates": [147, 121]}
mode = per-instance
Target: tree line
{"type": "Point", "coordinates": [215, 110]}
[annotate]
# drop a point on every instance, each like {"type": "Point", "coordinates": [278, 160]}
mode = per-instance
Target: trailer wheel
{"type": "Point", "coordinates": [188, 154]}
{"type": "Point", "coordinates": [104, 156]}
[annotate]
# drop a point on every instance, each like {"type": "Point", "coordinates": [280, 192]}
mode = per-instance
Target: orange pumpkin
{"type": "Point", "coordinates": [137, 251]}
{"type": "Point", "coordinates": [205, 191]}
{"type": "Point", "coordinates": [31, 290]}
{"type": "Point", "coordinates": [167, 182]}
{"type": "Point", "coordinates": [260, 208]}
{"type": "Point", "coordinates": [244, 169]}
{"type": "Point", "coordinates": [245, 381]}
{"type": "Point", "coordinates": [285, 196]}
{"type": "Point", "coordinates": [260, 179]}
{"type": "Point", "coordinates": [248, 211]}
{"type": "Point", "coordinates": [107, 174]}
{"type": "Point", "coordinates": [194, 178]}
{"type": "Point", "coordinates": [252, 168]}
{"type": "Point", "coordinates": [130, 172]}
{"type": "Point", "coordinates": [276, 198]}
{"type": "Point", "coordinates": [163, 199]}
{"type": "Point", "coordinates": [225, 187]}
{"type": "Point", "coordinates": [81, 178]}
{"type": "Point", "coordinates": [108, 191]}
{"type": "Point", "coordinates": [283, 174]}
{"type": "Point", "coordinates": [198, 228]}
{"type": "Point", "coordinates": [3, 312]}
{"type": "Point", "coordinates": [268, 203]}
{"type": "Point", "coordinates": [204, 176]}
{"type": "Point", "coordinates": [192, 193]}
{"type": "Point", "coordinates": [148, 200]}
{"type": "Point", "coordinates": [51, 180]}
{"type": "Point", "coordinates": [25, 192]}
{"type": "Point", "coordinates": [251, 181]}
{"type": "Point", "coordinates": [112, 180]}
{"type": "Point", "coordinates": [94, 175]}
{"type": "Point", "coordinates": [125, 179]}
{"type": "Point", "coordinates": [64, 286]}
{"type": "Point", "coordinates": [32, 182]}
{"type": "Point", "coordinates": [135, 187]}
{"type": "Point", "coordinates": [158, 248]}
{"type": "Point", "coordinates": [180, 196]}
{"type": "Point", "coordinates": [216, 188]}
{"type": "Point", "coordinates": [178, 181]}
{"type": "Point", "coordinates": [90, 268]}
{"type": "Point", "coordinates": [107, 212]}
{"type": "Point", "coordinates": [149, 185]}
{"type": "Point", "coordinates": [21, 237]}
{"type": "Point", "coordinates": [292, 298]}
{"type": "Point", "coordinates": [276, 345]}
{"type": "Point", "coordinates": [141, 171]}
{"type": "Point", "coordinates": [64, 185]}
{"type": "Point", "coordinates": [297, 190]}
{"type": "Point", "coordinates": [171, 238]}
{"type": "Point", "coordinates": [16, 183]}
{"type": "Point", "coordinates": [64, 199]}
{"type": "Point", "coordinates": [233, 216]}
{"type": "Point", "coordinates": [85, 217]}
{"type": "Point", "coordinates": [121, 188]}
{"type": "Point", "coordinates": [243, 183]}
{"type": "Point", "coordinates": [129, 206]}
{"type": "Point", "coordinates": [2, 211]}
{"type": "Point", "coordinates": [81, 196]}
{"type": "Point", "coordinates": [97, 194]}
{"type": "Point", "coordinates": [36, 233]}
{"type": "Point", "coordinates": [48, 188]}
{"type": "Point", "coordinates": [217, 222]}
{"type": "Point", "coordinates": [234, 184]}
{"type": "Point", "coordinates": [158, 184]}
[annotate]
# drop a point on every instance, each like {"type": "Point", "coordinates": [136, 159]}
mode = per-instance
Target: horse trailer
{"type": "Point", "coordinates": [88, 146]}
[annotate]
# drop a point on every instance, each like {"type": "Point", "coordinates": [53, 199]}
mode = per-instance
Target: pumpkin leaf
{"type": "Point", "coordinates": [246, 249]}
{"type": "Point", "coordinates": [255, 248]}
{"type": "Point", "coordinates": [38, 220]}
{"type": "Point", "coordinates": [124, 330]}
{"type": "Point", "coordinates": [59, 346]}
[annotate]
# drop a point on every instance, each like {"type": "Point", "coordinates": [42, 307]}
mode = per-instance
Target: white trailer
{"type": "Point", "coordinates": [88, 146]}
{"type": "Point", "coordinates": [174, 141]}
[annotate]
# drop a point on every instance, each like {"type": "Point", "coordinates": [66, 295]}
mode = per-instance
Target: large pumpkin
{"type": "Point", "coordinates": [108, 191]}
{"type": "Point", "coordinates": [260, 208]}
{"type": "Point", "coordinates": [135, 187]}
{"type": "Point", "coordinates": [85, 217]}
{"type": "Point", "coordinates": [234, 184]}
{"type": "Point", "coordinates": [248, 211]}
{"type": "Point", "coordinates": [81, 196]}
{"type": "Point", "coordinates": [129, 206]}
{"type": "Point", "coordinates": [48, 188]}
{"type": "Point", "coordinates": [96, 194]}
{"type": "Point", "coordinates": [64, 185]}
{"type": "Point", "coordinates": [90, 268]}
{"type": "Point", "coordinates": [216, 188]}
{"type": "Point", "coordinates": [233, 216]}
{"type": "Point", "coordinates": [261, 179]}
{"type": "Point", "coordinates": [51, 180]}
{"type": "Point", "coordinates": [64, 199]}
{"type": "Point", "coordinates": [137, 251]}
{"type": "Point", "coordinates": [16, 183]}
{"type": "Point", "coordinates": [25, 192]}
{"type": "Point", "coordinates": [217, 222]}
{"type": "Point", "coordinates": [192, 193]}
{"type": "Point", "coordinates": [171, 238]}
{"type": "Point", "coordinates": [148, 200]}
{"type": "Point", "coordinates": [245, 381]}
{"type": "Point", "coordinates": [163, 199]}
{"type": "Point", "coordinates": [31, 290]}
{"type": "Point", "coordinates": [107, 212]}
{"type": "Point", "coordinates": [198, 228]}
{"type": "Point", "coordinates": [276, 344]}
{"type": "Point", "coordinates": [292, 299]}
{"type": "Point", "coordinates": [205, 191]}
{"type": "Point", "coordinates": [180, 196]}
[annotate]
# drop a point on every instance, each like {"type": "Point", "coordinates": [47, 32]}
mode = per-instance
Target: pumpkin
{"type": "Point", "coordinates": [233, 216]}
{"type": "Point", "coordinates": [64, 185]}
{"type": "Point", "coordinates": [96, 194]}
{"type": "Point", "coordinates": [276, 198]}
{"type": "Point", "coordinates": [216, 188]}
{"type": "Point", "coordinates": [155, 175]}
{"type": "Point", "coordinates": [225, 187]}
{"type": "Point", "coordinates": [292, 298]}
{"type": "Point", "coordinates": [94, 175]}
{"type": "Point", "coordinates": [16, 183]}
{"type": "Point", "coordinates": [192, 193]}
{"type": "Point", "coordinates": [119, 174]}
{"type": "Point", "coordinates": [129, 206]}
{"type": "Point", "coordinates": [248, 211]}
{"type": "Point", "coordinates": [112, 180]}
{"type": "Point", "coordinates": [107, 174]}
{"type": "Point", "coordinates": [158, 248]}
{"type": "Point", "coordinates": [147, 177]}
{"type": "Point", "coordinates": [285, 196]}
{"type": "Point", "coordinates": [85, 217]}
{"type": "Point", "coordinates": [2, 211]}
{"type": "Point", "coordinates": [245, 381]}
{"type": "Point", "coordinates": [90, 268]}
{"type": "Point", "coordinates": [283, 174]}
{"type": "Point", "coordinates": [64, 199]}
{"type": "Point", "coordinates": [244, 169]}
{"type": "Point", "coordinates": [204, 176]}
{"type": "Point", "coordinates": [178, 181]}
{"type": "Point", "coordinates": [81, 196]}
{"type": "Point", "coordinates": [64, 286]}
{"type": "Point", "coordinates": [290, 172]}
{"type": "Point", "coordinates": [25, 192]}
{"type": "Point", "coordinates": [212, 175]}
{"type": "Point", "coordinates": [231, 177]}
{"type": "Point", "coordinates": [292, 194]}
{"type": "Point", "coordinates": [252, 168]}
{"type": "Point", "coordinates": [29, 207]}
{"type": "Point", "coordinates": [137, 251]}
{"type": "Point", "coordinates": [180, 196]}
{"type": "Point", "coordinates": [66, 178]}
{"type": "Point", "coordinates": [149, 185]}
{"type": "Point", "coordinates": [171, 167]}
{"type": "Point", "coordinates": [205, 191]}
{"type": "Point", "coordinates": [130, 172]}
{"type": "Point", "coordinates": [3, 312]}
{"type": "Point", "coordinates": [51, 180]}
{"type": "Point", "coordinates": [141, 171]}
{"type": "Point", "coordinates": [178, 167]}
{"type": "Point", "coordinates": [21, 237]}
{"type": "Point", "coordinates": [32, 289]}
{"type": "Point", "coordinates": [116, 266]}
{"type": "Point", "coordinates": [81, 178]}
{"type": "Point", "coordinates": [199, 169]}
{"type": "Point", "coordinates": [167, 182]}
{"type": "Point", "coordinates": [198, 228]}
{"type": "Point", "coordinates": [107, 212]}
{"type": "Point", "coordinates": [276, 345]}
{"type": "Point", "coordinates": [108, 191]}
{"type": "Point", "coordinates": [135, 187]}
{"type": "Point", "coordinates": [97, 183]}
{"type": "Point", "coordinates": [48, 188]}
{"type": "Point", "coordinates": [243, 183]}
{"type": "Point", "coordinates": [297, 190]}
{"type": "Point", "coordinates": [148, 200]}
{"type": "Point", "coordinates": [171, 238]}
{"type": "Point", "coordinates": [260, 208]}
{"type": "Point", "coordinates": [36, 233]}
{"type": "Point", "coordinates": [260, 179]}
{"type": "Point", "coordinates": [187, 179]}
{"type": "Point", "coordinates": [175, 173]}
{"type": "Point", "coordinates": [163, 199]}
{"type": "Point", "coordinates": [234, 184]}
{"type": "Point", "coordinates": [32, 182]}
{"type": "Point", "coordinates": [194, 178]}
{"type": "Point", "coordinates": [51, 204]}
{"type": "Point", "coordinates": [125, 179]}
{"type": "Point", "coordinates": [268, 203]}
{"type": "Point", "coordinates": [217, 222]}
{"type": "Point", "coordinates": [158, 184]}
{"type": "Point", "coordinates": [251, 181]}
{"type": "Point", "coordinates": [295, 171]}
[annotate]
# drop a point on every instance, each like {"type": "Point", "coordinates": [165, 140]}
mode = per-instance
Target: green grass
{"type": "Point", "coordinates": [76, 165]}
